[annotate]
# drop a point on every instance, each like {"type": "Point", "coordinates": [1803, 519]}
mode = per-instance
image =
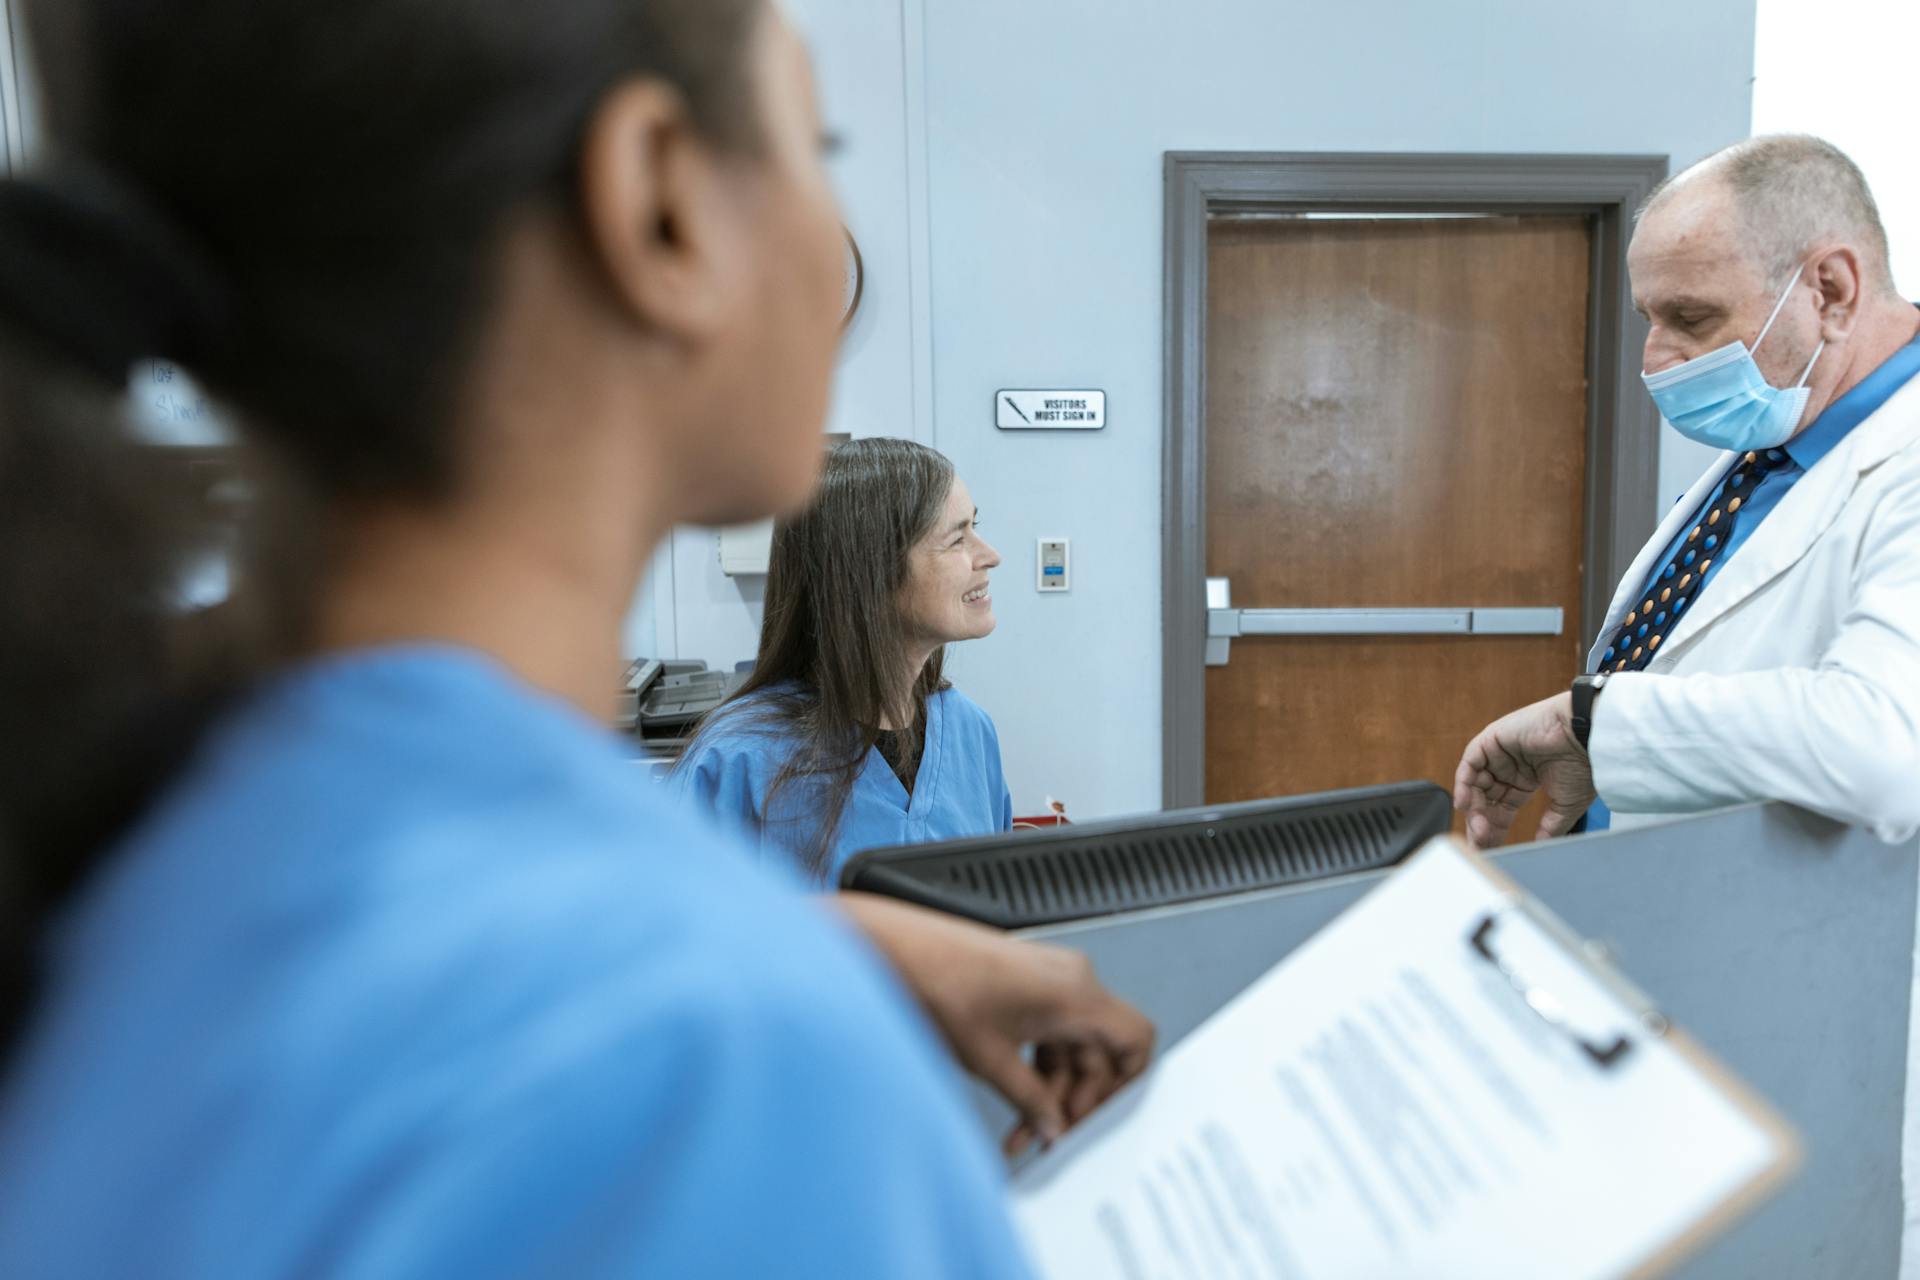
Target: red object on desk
{"type": "Point", "coordinates": [1047, 820]}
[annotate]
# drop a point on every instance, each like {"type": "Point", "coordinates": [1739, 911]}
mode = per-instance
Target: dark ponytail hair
{"type": "Point", "coordinates": [832, 648]}
{"type": "Point", "coordinates": [301, 204]}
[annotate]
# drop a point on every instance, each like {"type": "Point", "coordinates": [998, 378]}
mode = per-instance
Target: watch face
{"type": "Point", "coordinates": [855, 283]}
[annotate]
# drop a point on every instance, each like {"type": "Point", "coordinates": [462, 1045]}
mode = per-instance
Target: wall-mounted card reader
{"type": "Point", "coordinates": [1053, 565]}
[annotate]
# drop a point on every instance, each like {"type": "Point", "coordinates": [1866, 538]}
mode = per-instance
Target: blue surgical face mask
{"type": "Point", "coordinates": [1722, 399]}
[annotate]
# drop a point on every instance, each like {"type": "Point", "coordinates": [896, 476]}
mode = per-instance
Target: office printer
{"type": "Point", "coordinates": [661, 702]}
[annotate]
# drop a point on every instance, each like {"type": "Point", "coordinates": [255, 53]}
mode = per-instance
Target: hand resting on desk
{"type": "Point", "coordinates": [991, 996]}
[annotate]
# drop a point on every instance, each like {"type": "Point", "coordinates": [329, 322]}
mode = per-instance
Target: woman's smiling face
{"type": "Point", "coordinates": [946, 597]}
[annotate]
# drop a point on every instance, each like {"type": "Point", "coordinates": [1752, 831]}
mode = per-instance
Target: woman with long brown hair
{"type": "Point", "coordinates": [345, 944]}
{"type": "Point", "coordinates": [848, 736]}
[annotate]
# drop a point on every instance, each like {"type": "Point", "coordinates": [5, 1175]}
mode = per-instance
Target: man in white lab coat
{"type": "Point", "coordinates": [1765, 645]}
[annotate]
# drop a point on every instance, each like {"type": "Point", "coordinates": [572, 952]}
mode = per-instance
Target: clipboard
{"type": "Point", "coordinates": [1653, 1024]}
{"type": "Point", "coordinates": [1445, 1081]}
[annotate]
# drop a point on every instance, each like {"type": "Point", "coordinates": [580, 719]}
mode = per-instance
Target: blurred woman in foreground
{"type": "Point", "coordinates": [346, 944]}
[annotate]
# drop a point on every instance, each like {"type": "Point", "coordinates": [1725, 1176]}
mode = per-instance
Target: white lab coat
{"type": "Point", "coordinates": [1795, 677]}
{"type": "Point", "coordinates": [1796, 673]}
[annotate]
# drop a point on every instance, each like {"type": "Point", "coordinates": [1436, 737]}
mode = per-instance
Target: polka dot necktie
{"type": "Point", "coordinates": [1638, 640]}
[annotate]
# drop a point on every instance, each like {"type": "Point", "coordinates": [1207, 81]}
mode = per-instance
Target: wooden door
{"type": "Point", "coordinates": [1396, 418]}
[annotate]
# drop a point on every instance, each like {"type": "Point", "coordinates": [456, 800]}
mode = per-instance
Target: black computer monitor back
{"type": "Point", "coordinates": [1023, 878]}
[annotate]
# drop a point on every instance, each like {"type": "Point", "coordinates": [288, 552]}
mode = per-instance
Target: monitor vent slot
{"type": "Point", "coordinates": [1074, 872]}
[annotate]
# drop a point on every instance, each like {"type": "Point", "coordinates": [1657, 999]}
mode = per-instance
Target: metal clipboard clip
{"type": "Point", "coordinates": [1545, 1004]}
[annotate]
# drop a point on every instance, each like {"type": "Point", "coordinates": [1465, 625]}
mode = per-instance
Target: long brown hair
{"type": "Point", "coordinates": [833, 646]}
{"type": "Point", "coordinates": [319, 258]}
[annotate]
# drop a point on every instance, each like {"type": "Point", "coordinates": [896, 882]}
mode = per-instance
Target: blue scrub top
{"type": "Point", "coordinates": [413, 975]}
{"type": "Point", "coordinates": [959, 789]}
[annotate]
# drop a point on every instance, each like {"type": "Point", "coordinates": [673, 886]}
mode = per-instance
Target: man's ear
{"type": "Point", "coordinates": [1836, 274]}
{"type": "Point", "coordinates": [657, 220]}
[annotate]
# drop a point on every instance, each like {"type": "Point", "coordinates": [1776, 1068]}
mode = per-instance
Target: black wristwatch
{"type": "Point", "coordinates": [1586, 691]}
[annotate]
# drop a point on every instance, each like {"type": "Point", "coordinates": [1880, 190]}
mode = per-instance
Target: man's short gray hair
{"type": "Point", "coordinates": [1796, 193]}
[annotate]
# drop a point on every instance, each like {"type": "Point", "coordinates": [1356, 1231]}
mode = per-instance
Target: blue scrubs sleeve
{"type": "Point", "coordinates": [999, 772]}
{"type": "Point", "coordinates": [719, 781]}
{"type": "Point", "coordinates": [729, 1130]}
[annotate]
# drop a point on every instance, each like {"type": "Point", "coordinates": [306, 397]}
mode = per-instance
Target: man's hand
{"type": "Point", "coordinates": [1532, 749]}
{"type": "Point", "coordinates": [992, 996]}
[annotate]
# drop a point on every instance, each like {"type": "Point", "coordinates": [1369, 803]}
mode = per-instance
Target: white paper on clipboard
{"type": "Point", "coordinates": [1436, 1085]}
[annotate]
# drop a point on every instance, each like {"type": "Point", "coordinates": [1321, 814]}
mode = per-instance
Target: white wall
{"type": "Point", "coordinates": [19, 123]}
{"type": "Point", "coordinates": [1045, 122]}
{"type": "Point", "coordinates": [1865, 109]}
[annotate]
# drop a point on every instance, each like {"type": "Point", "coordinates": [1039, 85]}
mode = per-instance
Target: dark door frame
{"type": "Point", "coordinates": [1623, 429]}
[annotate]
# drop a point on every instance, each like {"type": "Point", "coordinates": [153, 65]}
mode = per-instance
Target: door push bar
{"type": "Point", "coordinates": [1226, 624]}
